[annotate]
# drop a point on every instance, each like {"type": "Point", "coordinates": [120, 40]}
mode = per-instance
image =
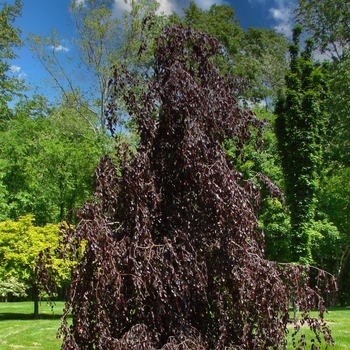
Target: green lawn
{"type": "Point", "coordinates": [18, 330]}
{"type": "Point", "coordinates": [339, 322]}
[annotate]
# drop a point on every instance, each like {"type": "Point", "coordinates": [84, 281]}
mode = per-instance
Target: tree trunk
{"type": "Point", "coordinates": [36, 300]}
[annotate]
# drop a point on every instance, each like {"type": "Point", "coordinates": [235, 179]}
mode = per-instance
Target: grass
{"type": "Point", "coordinates": [18, 329]}
{"type": "Point", "coordinates": [338, 320]}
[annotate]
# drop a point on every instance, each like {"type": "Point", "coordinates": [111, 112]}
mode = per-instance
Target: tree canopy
{"type": "Point", "coordinates": [47, 159]}
{"type": "Point", "coordinates": [21, 243]}
{"type": "Point", "coordinates": [327, 22]}
{"type": "Point", "coordinates": [256, 55]}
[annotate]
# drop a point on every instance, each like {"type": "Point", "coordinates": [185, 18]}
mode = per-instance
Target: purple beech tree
{"type": "Point", "coordinates": [173, 256]}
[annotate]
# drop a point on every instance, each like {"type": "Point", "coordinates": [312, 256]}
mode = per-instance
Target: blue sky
{"type": "Point", "coordinates": [40, 16]}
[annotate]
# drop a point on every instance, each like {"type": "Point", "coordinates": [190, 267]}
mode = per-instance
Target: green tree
{"type": "Point", "coordinates": [334, 200]}
{"type": "Point", "coordinates": [220, 21]}
{"type": "Point", "coordinates": [265, 61]}
{"type": "Point", "coordinates": [3, 193]}
{"type": "Point", "coordinates": [256, 55]}
{"type": "Point", "coordinates": [338, 126]}
{"type": "Point", "coordinates": [11, 287]}
{"type": "Point", "coordinates": [327, 21]}
{"type": "Point", "coordinates": [299, 127]}
{"type": "Point", "coordinates": [96, 39]}
{"type": "Point", "coordinates": [101, 43]}
{"type": "Point", "coordinates": [335, 196]}
{"type": "Point", "coordinates": [20, 245]}
{"type": "Point", "coordinates": [47, 159]}
{"type": "Point", "coordinates": [262, 158]}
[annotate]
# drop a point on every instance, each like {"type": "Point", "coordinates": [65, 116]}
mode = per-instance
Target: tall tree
{"type": "Point", "coordinates": [327, 21]}
{"type": "Point", "coordinates": [219, 21]}
{"type": "Point", "coordinates": [299, 128]}
{"type": "Point", "coordinates": [101, 42]}
{"type": "Point", "coordinates": [265, 61]}
{"type": "Point", "coordinates": [256, 55]}
{"type": "Point", "coordinates": [173, 255]}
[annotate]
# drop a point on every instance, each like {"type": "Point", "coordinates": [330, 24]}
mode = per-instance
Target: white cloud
{"type": "Point", "coordinates": [15, 69]}
{"type": "Point", "coordinates": [22, 75]}
{"type": "Point", "coordinates": [170, 6]}
{"type": "Point", "coordinates": [283, 15]}
{"type": "Point", "coordinates": [205, 4]}
{"type": "Point", "coordinates": [165, 6]}
{"type": "Point", "coordinates": [119, 7]}
{"type": "Point", "coordinates": [60, 48]}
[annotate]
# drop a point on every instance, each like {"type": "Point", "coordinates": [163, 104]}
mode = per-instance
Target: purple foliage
{"type": "Point", "coordinates": [173, 256]}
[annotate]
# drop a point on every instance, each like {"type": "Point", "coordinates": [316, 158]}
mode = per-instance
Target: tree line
{"type": "Point", "coordinates": [49, 150]}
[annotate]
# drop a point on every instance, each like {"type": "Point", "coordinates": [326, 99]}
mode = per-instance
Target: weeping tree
{"type": "Point", "coordinates": [173, 257]}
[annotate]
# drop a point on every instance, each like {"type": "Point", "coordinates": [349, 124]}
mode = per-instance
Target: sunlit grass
{"type": "Point", "coordinates": [338, 320]}
{"type": "Point", "coordinates": [18, 329]}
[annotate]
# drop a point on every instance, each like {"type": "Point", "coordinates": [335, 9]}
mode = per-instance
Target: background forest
{"type": "Point", "coordinates": [49, 150]}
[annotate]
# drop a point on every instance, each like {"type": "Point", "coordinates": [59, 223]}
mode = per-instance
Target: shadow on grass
{"type": "Point", "coordinates": [5, 316]}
